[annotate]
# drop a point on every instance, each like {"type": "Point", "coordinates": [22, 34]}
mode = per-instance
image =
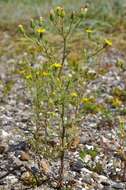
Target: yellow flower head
{"type": "Point", "coordinates": [89, 30]}
{"type": "Point", "coordinates": [56, 65]}
{"type": "Point", "coordinates": [74, 94]}
{"type": "Point", "coordinates": [29, 76]}
{"type": "Point", "coordinates": [116, 102]}
{"type": "Point", "coordinates": [108, 42]}
{"type": "Point", "coordinates": [41, 30]}
{"type": "Point", "coordinates": [22, 72]}
{"type": "Point", "coordinates": [87, 100]}
{"type": "Point", "coordinates": [45, 74]}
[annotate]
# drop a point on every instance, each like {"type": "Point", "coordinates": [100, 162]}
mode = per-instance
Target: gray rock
{"type": "Point", "coordinates": [107, 188]}
{"type": "Point", "coordinates": [118, 186]}
{"type": "Point", "coordinates": [84, 139]}
{"type": "Point", "coordinates": [76, 166]}
{"type": "Point", "coordinates": [87, 179]}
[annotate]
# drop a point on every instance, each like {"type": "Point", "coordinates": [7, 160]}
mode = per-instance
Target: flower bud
{"type": "Point", "coordinates": [72, 15]}
{"type": "Point", "coordinates": [86, 8]}
{"type": "Point", "coordinates": [52, 15]}
{"type": "Point", "coordinates": [32, 24]}
{"type": "Point", "coordinates": [60, 12]}
{"type": "Point", "coordinates": [40, 21]}
{"type": "Point", "coordinates": [83, 11]}
{"type": "Point", "coordinates": [21, 28]}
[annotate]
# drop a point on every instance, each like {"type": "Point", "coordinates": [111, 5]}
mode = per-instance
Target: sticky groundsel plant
{"type": "Point", "coordinates": [57, 87]}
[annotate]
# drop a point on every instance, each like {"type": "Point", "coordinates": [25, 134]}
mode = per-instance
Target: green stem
{"type": "Point", "coordinates": [95, 53]}
{"type": "Point", "coordinates": [61, 170]}
{"type": "Point", "coordinates": [64, 55]}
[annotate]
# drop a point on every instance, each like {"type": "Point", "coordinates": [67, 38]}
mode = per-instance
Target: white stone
{"type": "Point", "coordinates": [12, 179]}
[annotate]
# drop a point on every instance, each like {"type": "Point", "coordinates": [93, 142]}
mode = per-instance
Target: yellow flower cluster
{"type": "Point", "coordinates": [74, 94]}
{"type": "Point", "coordinates": [45, 74]}
{"type": "Point", "coordinates": [42, 73]}
{"type": "Point", "coordinates": [116, 102]}
{"type": "Point", "coordinates": [56, 65]}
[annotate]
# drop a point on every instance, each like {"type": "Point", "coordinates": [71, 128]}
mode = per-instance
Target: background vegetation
{"type": "Point", "coordinates": [103, 12]}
